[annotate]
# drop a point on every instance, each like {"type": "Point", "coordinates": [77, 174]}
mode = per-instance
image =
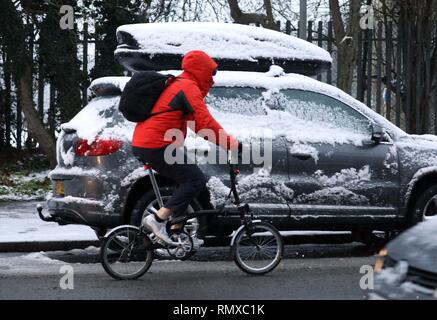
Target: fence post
{"type": "Point", "coordinates": [407, 77]}
{"type": "Point", "coordinates": [319, 42]}
{"type": "Point", "coordinates": [379, 68]}
{"type": "Point", "coordinates": [310, 31]}
{"type": "Point", "coordinates": [360, 68]}
{"type": "Point", "coordinates": [369, 67]}
{"type": "Point", "coordinates": [330, 40]}
{"type": "Point", "coordinates": [388, 54]}
{"type": "Point", "coordinates": [85, 65]}
{"type": "Point", "coordinates": [398, 79]}
{"type": "Point", "coordinates": [288, 27]}
{"type": "Point", "coordinates": [419, 76]}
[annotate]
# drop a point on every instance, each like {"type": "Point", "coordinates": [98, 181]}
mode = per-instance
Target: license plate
{"type": "Point", "coordinates": [59, 188]}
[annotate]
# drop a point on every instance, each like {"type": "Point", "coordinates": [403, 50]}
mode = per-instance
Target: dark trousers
{"type": "Point", "coordinates": [189, 178]}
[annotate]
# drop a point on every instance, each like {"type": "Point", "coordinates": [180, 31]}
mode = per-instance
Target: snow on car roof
{"type": "Point", "coordinates": [222, 40]}
{"type": "Point", "coordinates": [271, 81]}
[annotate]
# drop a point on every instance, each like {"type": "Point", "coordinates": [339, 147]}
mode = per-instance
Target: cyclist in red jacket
{"type": "Point", "coordinates": [186, 95]}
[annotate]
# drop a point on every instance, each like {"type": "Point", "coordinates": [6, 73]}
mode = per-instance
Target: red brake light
{"type": "Point", "coordinates": [99, 147]}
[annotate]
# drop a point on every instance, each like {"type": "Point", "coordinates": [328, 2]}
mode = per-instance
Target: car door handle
{"type": "Point", "coordinates": [301, 156]}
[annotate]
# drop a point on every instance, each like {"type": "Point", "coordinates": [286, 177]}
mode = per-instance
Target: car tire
{"type": "Point", "coordinates": [425, 206]}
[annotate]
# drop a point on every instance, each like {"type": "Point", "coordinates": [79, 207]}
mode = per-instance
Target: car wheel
{"type": "Point", "coordinates": [425, 207]}
{"type": "Point", "coordinates": [149, 200]}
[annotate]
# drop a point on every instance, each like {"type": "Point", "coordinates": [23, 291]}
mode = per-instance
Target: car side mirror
{"type": "Point", "coordinates": [378, 133]}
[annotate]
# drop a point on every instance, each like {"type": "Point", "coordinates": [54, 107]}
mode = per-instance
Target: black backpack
{"type": "Point", "coordinates": [141, 93]}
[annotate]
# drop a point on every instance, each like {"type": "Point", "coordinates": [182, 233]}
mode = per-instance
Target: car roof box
{"type": "Point", "coordinates": [235, 47]}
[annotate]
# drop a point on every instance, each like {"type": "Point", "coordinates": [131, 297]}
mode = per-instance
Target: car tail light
{"type": "Point", "coordinates": [99, 147]}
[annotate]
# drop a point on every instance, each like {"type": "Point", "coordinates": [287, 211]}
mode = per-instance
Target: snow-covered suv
{"type": "Point", "coordinates": [336, 164]}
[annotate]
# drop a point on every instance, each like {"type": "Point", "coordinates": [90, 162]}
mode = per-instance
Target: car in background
{"type": "Point", "coordinates": [407, 267]}
{"type": "Point", "coordinates": [335, 163]}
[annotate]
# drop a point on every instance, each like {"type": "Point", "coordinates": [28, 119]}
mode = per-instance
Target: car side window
{"type": "Point", "coordinates": [322, 110]}
{"type": "Point", "coordinates": [240, 100]}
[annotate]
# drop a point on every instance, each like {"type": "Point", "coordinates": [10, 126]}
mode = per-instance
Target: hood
{"type": "Point", "coordinates": [417, 246]}
{"type": "Point", "coordinates": [200, 67]}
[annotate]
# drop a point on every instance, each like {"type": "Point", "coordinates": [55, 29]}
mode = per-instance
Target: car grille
{"type": "Point", "coordinates": [417, 276]}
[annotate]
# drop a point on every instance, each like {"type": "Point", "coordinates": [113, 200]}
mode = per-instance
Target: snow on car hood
{"type": "Point", "coordinates": [418, 151]}
{"type": "Point", "coordinates": [417, 246]}
{"type": "Point", "coordinates": [223, 41]}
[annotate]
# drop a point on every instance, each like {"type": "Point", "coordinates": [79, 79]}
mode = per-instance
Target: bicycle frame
{"type": "Point", "coordinates": [241, 210]}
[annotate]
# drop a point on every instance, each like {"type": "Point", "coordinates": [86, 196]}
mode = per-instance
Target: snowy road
{"type": "Point", "coordinates": [307, 272]}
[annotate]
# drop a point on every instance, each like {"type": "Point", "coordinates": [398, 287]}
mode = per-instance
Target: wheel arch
{"type": "Point", "coordinates": [421, 181]}
{"type": "Point", "coordinates": [139, 187]}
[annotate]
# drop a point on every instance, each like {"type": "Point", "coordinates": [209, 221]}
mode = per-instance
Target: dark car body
{"type": "Point", "coordinates": [410, 265]}
{"type": "Point", "coordinates": [335, 165]}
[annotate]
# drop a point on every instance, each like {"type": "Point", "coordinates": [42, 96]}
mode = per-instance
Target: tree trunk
{"type": "Point", "coordinates": [266, 20]}
{"type": "Point", "coordinates": [7, 99]}
{"type": "Point", "coordinates": [36, 129]}
{"type": "Point", "coordinates": [346, 42]}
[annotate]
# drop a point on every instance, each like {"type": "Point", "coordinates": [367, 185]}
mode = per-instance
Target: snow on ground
{"type": "Point", "coordinates": [219, 40]}
{"type": "Point", "coordinates": [20, 223]}
{"type": "Point", "coordinates": [25, 187]}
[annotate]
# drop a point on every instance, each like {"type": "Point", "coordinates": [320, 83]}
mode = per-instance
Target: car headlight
{"type": "Point", "coordinates": [379, 264]}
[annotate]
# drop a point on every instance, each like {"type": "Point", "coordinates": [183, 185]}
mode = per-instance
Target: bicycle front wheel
{"type": "Point", "coordinates": [258, 249]}
{"type": "Point", "coordinates": [126, 253]}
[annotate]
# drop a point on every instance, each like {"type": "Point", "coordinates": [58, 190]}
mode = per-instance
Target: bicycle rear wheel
{"type": "Point", "coordinates": [258, 250]}
{"type": "Point", "coordinates": [126, 254]}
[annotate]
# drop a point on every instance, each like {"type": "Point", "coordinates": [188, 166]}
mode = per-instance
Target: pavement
{"type": "Point", "coordinates": [21, 230]}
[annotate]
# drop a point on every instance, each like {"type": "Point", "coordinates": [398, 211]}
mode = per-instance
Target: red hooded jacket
{"type": "Point", "coordinates": [186, 92]}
